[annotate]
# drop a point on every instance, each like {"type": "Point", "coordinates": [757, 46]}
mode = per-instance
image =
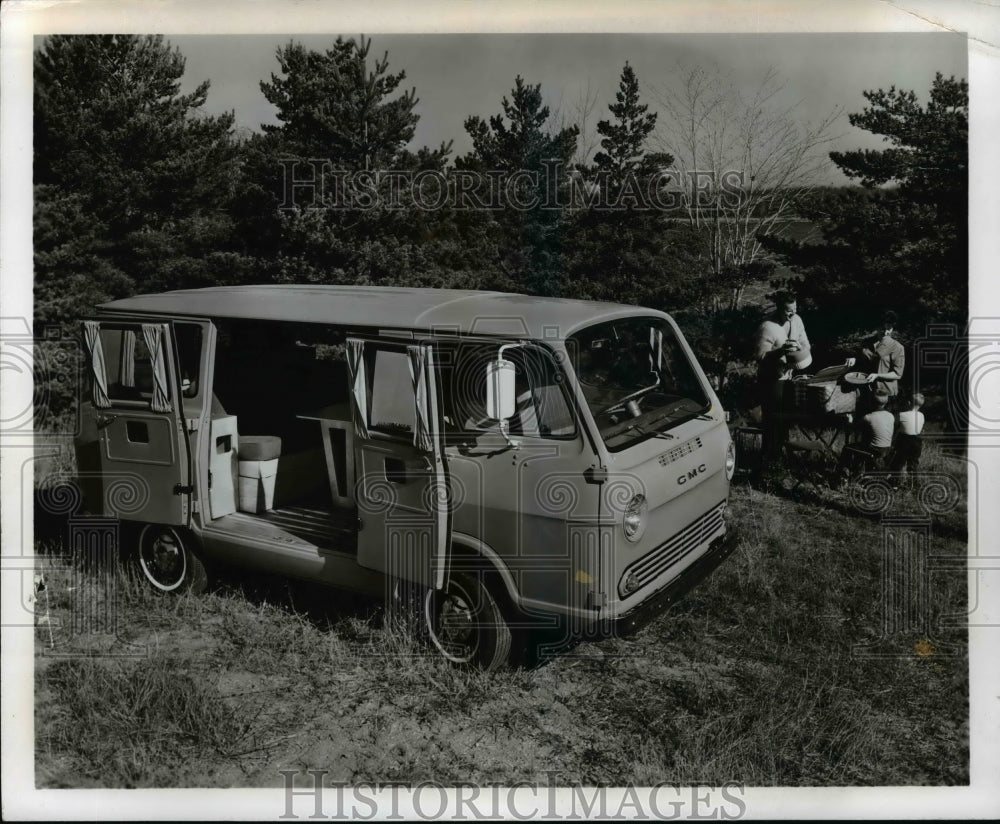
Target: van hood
{"type": "Point", "coordinates": [665, 468]}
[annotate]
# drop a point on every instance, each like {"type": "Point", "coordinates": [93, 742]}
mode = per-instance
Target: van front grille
{"type": "Point", "coordinates": [657, 561]}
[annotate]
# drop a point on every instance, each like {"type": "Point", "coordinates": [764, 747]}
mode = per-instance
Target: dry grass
{"type": "Point", "coordinates": [756, 677]}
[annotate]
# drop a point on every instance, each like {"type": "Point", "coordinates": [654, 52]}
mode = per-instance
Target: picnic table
{"type": "Point", "coordinates": [827, 434]}
{"type": "Point", "coordinates": [814, 447]}
{"type": "Point", "coordinates": [817, 435]}
{"type": "Point", "coordinates": [822, 407]}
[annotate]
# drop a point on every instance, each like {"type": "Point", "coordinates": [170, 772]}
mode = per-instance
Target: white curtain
{"type": "Point", "coordinates": [420, 362]}
{"type": "Point", "coordinates": [356, 369]}
{"type": "Point", "coordinates": [126, 359]}
{"type": "Point", "coordinates": [98, 371]}
{"type": "Point", "coordinates": [655, 349]}
{"type": "Point", "coordinates": [154, 335]}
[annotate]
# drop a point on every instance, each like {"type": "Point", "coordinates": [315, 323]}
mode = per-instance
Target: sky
{"type": "Point", "coordinates": [457, 75]}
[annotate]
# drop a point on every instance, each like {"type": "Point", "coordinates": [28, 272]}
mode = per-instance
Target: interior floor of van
{"type": "Point", "coordinates": [324, 527]}
{"type": "Point", "coordinates": [294, 527]}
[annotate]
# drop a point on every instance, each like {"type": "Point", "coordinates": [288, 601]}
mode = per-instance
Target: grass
{"type": "Point", "coordinates": [756, 677]}
{"type": "Point", "coordinates": [144, 723]}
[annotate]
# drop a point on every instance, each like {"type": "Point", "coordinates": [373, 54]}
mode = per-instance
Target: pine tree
{"type": "Point", "coordinates": [522, 142]}
{"type": "Point", "coordinates": [340, 106]}
{"type": "Point", "coordinates": [624, 249]}
{"type": "Point", "coordinates": [623, 141]}
{"type": "Point", "coordinates": [132, 182]}
{"type": "Point", "coordinates": [900, 241]}
{"type": "Point", "coordinates": [346, 121]}
{"type": "Point", "coordinates": [521, 240]}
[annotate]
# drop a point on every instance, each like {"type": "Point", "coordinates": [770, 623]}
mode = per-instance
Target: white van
{"type": "Point", "coordinates": [519, 460]}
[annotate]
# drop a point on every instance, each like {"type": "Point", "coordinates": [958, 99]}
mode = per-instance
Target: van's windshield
{"type": "Point", "coordinates": [636, 378]}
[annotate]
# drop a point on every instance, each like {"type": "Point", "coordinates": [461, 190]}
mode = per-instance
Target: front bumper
{"type": "Point", "coordinates": [635, 619]}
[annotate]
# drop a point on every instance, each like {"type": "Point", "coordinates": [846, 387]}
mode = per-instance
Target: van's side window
{"type": "Point", "coordinates": [541, 410]}
{"type": "Point", "coordinates": [390, 395]}
{"type": "Point", "coordinates": [128, 364]}
{"type": "Point", "coordinates": [188, 337]}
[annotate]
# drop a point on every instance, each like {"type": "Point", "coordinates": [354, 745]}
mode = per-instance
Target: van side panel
{"type": "Point", "coordinates": [534, 507]}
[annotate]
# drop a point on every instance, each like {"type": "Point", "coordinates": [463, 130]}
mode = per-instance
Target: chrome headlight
{"type": "Point", "coordinates": [634, 522]}
{"type": "Point", "coordinates": [630, 584]}
{"type": "Point", "coordinates": [730, 461]}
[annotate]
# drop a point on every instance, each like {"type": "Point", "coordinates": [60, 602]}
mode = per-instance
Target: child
{"type": "Point", "coordinates": [878, 425]}
{"type": "Point", "coordinates": [871, 452]}
{"type": "Point", "coordinates": [908, 442]}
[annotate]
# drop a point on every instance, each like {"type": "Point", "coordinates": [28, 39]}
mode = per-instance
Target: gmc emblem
{"type": "Point", "coordinates": [691, 475]}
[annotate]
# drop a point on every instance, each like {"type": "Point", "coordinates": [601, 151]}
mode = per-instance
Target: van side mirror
{"type": "Point", "coordinates": [500, 394]}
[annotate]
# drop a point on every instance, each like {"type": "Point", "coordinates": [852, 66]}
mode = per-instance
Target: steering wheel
{"type": "Point", "coordinates": [617, 406]}
{"type": "Point", "coordinates": [621, 404]}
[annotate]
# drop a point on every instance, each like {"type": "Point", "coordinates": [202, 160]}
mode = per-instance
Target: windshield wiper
{"type": "Point", "coordinates": [670, 413]}
{"type": "Point", "coordinates": [654, 434]}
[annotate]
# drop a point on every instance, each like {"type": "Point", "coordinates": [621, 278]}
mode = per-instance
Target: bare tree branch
{"type": "Point", "coordinates": [580, 113]}
{"type": "Point", "coordinates": [742, 161]}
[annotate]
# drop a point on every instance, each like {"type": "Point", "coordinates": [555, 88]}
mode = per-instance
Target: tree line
{"type": "Point", "coordinates": [138, 190]}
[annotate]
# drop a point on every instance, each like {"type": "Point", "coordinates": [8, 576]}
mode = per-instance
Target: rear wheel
{"type": "Point", "coordinates": [465, 623]}
{"type": "Point", "coordinates": [166, 560]}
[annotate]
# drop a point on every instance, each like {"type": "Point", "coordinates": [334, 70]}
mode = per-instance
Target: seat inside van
{"type": "Point", "coordinates": [267, 378]}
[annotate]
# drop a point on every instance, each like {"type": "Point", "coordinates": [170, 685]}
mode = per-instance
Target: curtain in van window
{"type": "Point", "coordinates": [419, 364]}
{"type": "Point", "coordinates": [355, 366]}
{"type": "Point", "coordinates": [154, 336]}
{"type": "Point", "coordinates": [126, 360]}
{"type": "Point", "coordinates": [98, 371]}
{"type": "Point", "coordinates": [655, 349]}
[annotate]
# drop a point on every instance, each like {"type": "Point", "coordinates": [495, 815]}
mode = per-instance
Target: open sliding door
{"type": "Point", "coordinates": [402, 487]}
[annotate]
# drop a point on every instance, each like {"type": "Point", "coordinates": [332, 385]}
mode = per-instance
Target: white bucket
{"type": "Point", "coordinates": [256, 485]}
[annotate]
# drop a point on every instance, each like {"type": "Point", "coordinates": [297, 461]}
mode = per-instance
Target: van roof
{"type": "Point", "coordinates": [385, 307]}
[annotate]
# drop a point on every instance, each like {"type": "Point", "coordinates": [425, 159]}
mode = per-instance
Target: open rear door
{"type": "Point", "coordinates": [402, 487]}
{"type": "Point", "coordinates": [141, 455]}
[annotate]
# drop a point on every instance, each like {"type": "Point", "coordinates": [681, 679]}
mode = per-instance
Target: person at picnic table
{"type": "Point", "coordinates": [908, 442]}
{"type": "Point", "coordinates": [872, 451]}
{"type": "Point", "coordinates": [883, 358]}
{"type": "Point", "coordinates": [780, 347]}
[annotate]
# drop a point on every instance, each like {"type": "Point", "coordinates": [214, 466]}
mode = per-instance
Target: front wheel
{"type": "Point", "coordinates": [465, 623]}
{"type": "Point", "coordinates": [166, 560]}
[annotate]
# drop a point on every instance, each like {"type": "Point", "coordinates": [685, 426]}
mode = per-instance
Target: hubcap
{"type": "Point", "coordinates": [453, 627]}
{"type": "Point", "coordinates": [163, 562]}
